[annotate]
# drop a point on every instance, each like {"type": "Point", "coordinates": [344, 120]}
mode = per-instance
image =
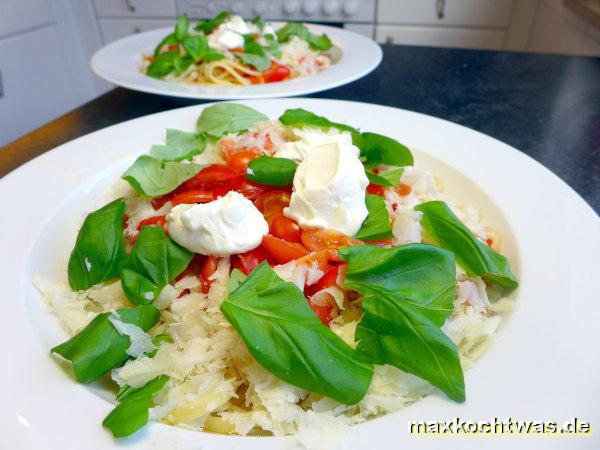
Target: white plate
{"type": "Point", "coordinates": [544, 365]}
{"type": "Point", "coordinates": [119, 63]}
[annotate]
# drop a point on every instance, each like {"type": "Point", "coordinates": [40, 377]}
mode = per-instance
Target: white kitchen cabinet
{"type": "Point", "coordinates": [440, 36]}
{"type": "Point", "coordinates": [36, 83]}
{"type": "Point", "coordinates": [468, 13]}
{"type": "Point", "coordinates": [135, 8]}
{"type": "Point", "coordinates": [19, 15]}
{"type": "Point", "coordinates": [113, 29]}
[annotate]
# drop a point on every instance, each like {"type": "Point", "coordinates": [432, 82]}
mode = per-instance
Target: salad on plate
{"type": "Point", "coordinates": [259, 276]}
{"type": "Point", "coordinates": [229, 50]}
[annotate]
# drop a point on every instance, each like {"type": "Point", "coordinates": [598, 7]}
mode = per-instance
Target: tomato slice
{"type": "Point", "coordinates": [195, 196]}
{"type": "Point", "coordinates": [375, 189]}
{"type": "Point", "coordinates": [239, 161]}
{"type": "Point", "coordinates": [277, 72]}
{"type": "Point", "coordinates": [322, 312]}
{"type": "Point", "coordinates": [285, 228]}
{"type": "Point", "coordinates": [327, 239]}
{"type": "Point", "coordinates": [155, 221]}
{"type": "Point", "coordinates": [403, 189]}
{"type": "Point", "coordinates": [327, 280]}
{"type": "Point", "coordinates": [283, 251]}
{"type": "Point", "coordinates": [209, 266]}
{"type": "Point", "coordinates": [249, 189]}
{"type": "Point", "coordinates": [271, 204]}
{"type": "Point", "coordinates": [246, 262]}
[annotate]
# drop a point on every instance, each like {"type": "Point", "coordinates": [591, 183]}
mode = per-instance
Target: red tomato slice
{"type": "Point", "coordinates": [239, 161]}
{"type": "Point", "coordinates": [283, 251]}
{"type": "Point", "coordinates": [327, 280]}
{"type": "Point", "coordinates": [327, 239]}
{"type": "Point", "coordinates": [156, 221]}
{"type": "Point", "coordinates": [209, 266]}
{"type": "Point", "coordinates": [195, 196]}
{"type": "Point", "coordinates": [246, 262]}
{"type": "Point", "coordinates": [271, 204]}
{"type": "Point", "coordinates": [322, 312]}
{"type": "Point", "coordinates": [249, 189]}
{"type": "Point", "coordinates": [285, 228]}
{"type": "Point", "coordinates": [375, 189]}
{"type": "Point", "coordinates": [403, 189]}
{"type": "Point", "coordinates": [277, 72]}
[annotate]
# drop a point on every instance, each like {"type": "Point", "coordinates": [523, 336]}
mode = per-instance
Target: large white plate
{"type": "Point", "coordinates": [544, 365]}
{"type": "Point", "coordinates": [119, 63]}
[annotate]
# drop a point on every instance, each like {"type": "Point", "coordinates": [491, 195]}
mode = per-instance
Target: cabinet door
{"type": "Point", "coordinates": [113, 29]}
{"type": "Point", "coordinates": [440, 37]}
{"type": "Point", "coordinates": [135, 8]}
{"type": "Point", "coordinates": [473, 13]}
{"type": "Point", "coordinates": [18, 15]}
{"type": "Point", "coordinates": [36, 83]}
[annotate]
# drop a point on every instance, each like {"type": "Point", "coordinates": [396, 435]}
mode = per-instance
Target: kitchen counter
{"type": "Point", "coordinates": [547, 106]}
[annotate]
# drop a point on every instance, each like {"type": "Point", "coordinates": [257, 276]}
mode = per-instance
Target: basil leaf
{"type": "Point", "coordinates": [99, 249]}
{"type": "Point", "coordinates": [167, 62]}
{"type": "Point", "coordinates": [408, 293]}
{"type": "Point", "coordinates": [271, 171]}
{"type": "Point", "coordinates": [150, 177]}
{"type": "Point", "coordinates": [154, 262]}
{"type": "Point", "coordinates": [156, 340]}
{"type": "Point", "coordinates": [206, 26]}
{"type": "Point", "coordinates": [224, 118]}
{"type": "Point", "coordinates": [377, 224]}
{"type": "Point", "coordinates": [180, 145]}
{"type": "Point", "coordinates": [377, 149]}
{"type": "Point", "coordinates": [235, 278]}
{"type": "Point", "coordinates": [390, 177]}
{"type": "Point", "coordinates": [300, 117]}
{"type": "Point", "coordinates": [99, 347]}
{"type": "Point", "coordinates": [181, 27]}
{"type": "Point", "coordinates": [477, 258]}
{"type": "Point", "coordinates": [131, 413]}
{"type": "Point", "coordinates": [259, 22]}
{"type": "Point", "coordinates": [254, 55]}
{"type": "Point", "coordinates": [273, 46]}
{"type": "Point", "coordinates": [197, 47]}
{"type": "Point", "coordinates": [167, 40]}
{"type": "Point", "coordinates": [284, 335]}
{"type": "Point", "coordinates": [418, 273]}
{"type": "Point", "coordinates": [316, 42]}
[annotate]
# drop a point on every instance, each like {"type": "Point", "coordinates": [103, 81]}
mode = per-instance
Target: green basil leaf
{"type": "Point", "coordinates": [180, 145]}
{"type": "Point", "coordinates": [157, 340]}
{"type": "Point", "coordinates": [421, 274]}
{"type": "Point", "coordinates": [273, 46]}
{"type": "Point", "coordinates": [207, 26]}
{"type": "Point", "coordinates": [300, 117]}
{"type": "Point", "coordinates": [271, 171]}
{"type": "Point", "coordinates": [167, 62]}
{"type": "Point", "coordinates": [181, 27]}
{"type": "Point", "coordinates": [150, 177]}
{"type": "Point", "coordinates": [377, 149]}
{"type": "Point", "coordinates": [377, 224]}
{"type": "Point", "coordinates": [168, 40]}
{"type": "Point", "coordinates": [154, 262]}
{"type": "Point", "coordinates": [259, 22]}
{"type": "Point", "coordinates": [284, 335]}
{"type": "Point", "coordinates": [99, 347]}
{"type": "Point", "coordinates": [408, 293]}
{"type": "Point", "coordinates": [254, 55]}
{"type": "Point", "coordinates": [99, 249]}
{"type": "Point", "coordinates": [235, 278]}
{"type": "Point", "coordinates": [131, 413]}
{"type": "Point", "coordinates": [197, 47]}
{"type": "Point", "coordinates": [316, 42]}
{"type": "Point", "coordinates": [224, 118]}
{"type": "Point", "coordinates": [477, 258]}
{"type": "Point", "coordinates": [387, 178]}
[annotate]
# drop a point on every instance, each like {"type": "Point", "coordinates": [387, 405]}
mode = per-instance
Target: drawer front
{"type": "Point", "coordinates": [113, 29]}
{"type": "Point", "coordinates": [441, 37]}
{"type": "Point", "coordinates": [17, 15]}
{"type": "Point", "coordinates": [135, 8]}
{"type": "Point", "coordinates": [35, 89]}
{"type": "Point", "coordinates": [474, 13]}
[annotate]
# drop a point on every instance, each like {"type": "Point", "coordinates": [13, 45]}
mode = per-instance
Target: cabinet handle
{"type": "Point", "coordinates": [137, 30]}
{"type": "Point", "coordinates": [1, 87]}
{"type": "Point", "coordinates": [440, 7]}
{"type": "Point", "coordinates": [130, 5]}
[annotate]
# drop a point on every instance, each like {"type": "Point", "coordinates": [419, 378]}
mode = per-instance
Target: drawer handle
{"type": "Point", "coordinates": [440, 7]}
{"type": "Point", "coordinates": [130, 5]}
{"type": "Point", "coordinates": [1, 87]}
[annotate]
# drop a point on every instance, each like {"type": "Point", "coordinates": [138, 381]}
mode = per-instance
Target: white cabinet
{"type": "Point", "coordinates": [113, 29]}
{"type": "Point", "coordinates": [471, 13]}
{"type": "Point", "coordinates": [36, 86]}
{"type": "Point", "coordinates": [135, 8]}
{"type": "Point", "coordinates": [441, 36]}
{"type": "Point", "coordinates": [19, 15]}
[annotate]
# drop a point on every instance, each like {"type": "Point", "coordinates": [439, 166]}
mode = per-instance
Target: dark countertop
{"type": "Point", "coordinates": [547, 106]}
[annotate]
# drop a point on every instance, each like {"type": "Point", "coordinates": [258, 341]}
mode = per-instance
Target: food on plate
{"type": "Point", "coordinates": [229, 50]}
{"type": "Point", "coordinates": [289, 276]}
